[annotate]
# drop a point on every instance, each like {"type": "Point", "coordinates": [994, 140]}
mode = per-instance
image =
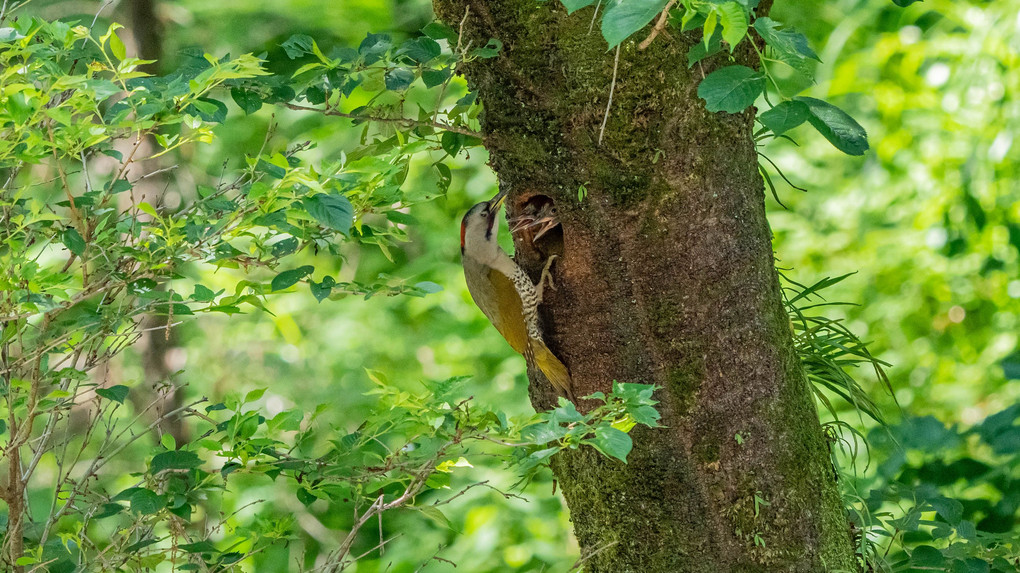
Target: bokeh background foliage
{"type": "Point", "coordinates": [928, 220]}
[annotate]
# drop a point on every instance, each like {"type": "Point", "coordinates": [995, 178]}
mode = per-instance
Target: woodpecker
{"type": "Point", "coordinates": [505, 293]}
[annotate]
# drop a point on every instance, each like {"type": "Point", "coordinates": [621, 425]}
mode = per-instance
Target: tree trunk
{"type": "Point", "coordinates": [666, 276]}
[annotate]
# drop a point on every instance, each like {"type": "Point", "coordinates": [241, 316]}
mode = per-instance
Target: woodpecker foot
{"type": "Point", "coordinates": [546, 279]}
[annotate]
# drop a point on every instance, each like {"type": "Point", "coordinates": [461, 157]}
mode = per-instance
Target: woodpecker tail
{"type": "Point", "coordinates": [552, 368]}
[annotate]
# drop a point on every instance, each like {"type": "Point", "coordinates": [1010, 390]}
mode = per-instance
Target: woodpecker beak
{"type": "Point", "coordinates": [496, 202]}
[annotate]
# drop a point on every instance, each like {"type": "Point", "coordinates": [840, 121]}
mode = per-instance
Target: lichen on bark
{"type": "Point", "coordinates": [666, 276]}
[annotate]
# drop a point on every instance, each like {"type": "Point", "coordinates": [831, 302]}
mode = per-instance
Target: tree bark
{"type": "Point", "coordinates": [666, 276]}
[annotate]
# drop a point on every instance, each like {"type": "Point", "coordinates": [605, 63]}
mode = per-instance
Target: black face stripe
{"type": "Point", "coordinates": [492, 225]}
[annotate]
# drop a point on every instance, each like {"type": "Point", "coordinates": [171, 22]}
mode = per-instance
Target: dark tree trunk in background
{"type": "Point", "coordinates": [666, 276]}
{"type": "Point", "coordinates": [161, 337]}
{"type": "Point", "coordinates": [148, 33]}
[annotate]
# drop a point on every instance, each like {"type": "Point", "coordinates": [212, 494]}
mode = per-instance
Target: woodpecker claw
{"type": "Point", "coordinates": [546, 278]}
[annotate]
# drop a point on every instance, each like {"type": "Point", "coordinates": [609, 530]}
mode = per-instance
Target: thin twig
{"type": "Point", "coordinates": [402, 121]}
{"type": "Point", "coordinates": [593, 16]}
{"type": "Point", "coordinates": [660, 25]}
{"type": "Point", "coordinates": [156, 172]}
{"type": "Point", "coordinates": [612, 87]}
{"type": "Point", "coordinates": [98, 12]}
{"type": "Point", "coordinates": [584, 558]}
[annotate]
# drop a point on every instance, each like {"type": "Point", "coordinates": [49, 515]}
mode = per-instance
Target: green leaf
{"type": "Point", "coordinates": [108, 510]}
{"type": "Point", "coordinates": [536, 458]}
{"type": "Point", "coordinates": [399, 79]}
{"type": "Point", "coordinates": [173, 460]}
{"type": "Point", "coordinates": [199, 547]}
{"type": "Point", "coordinates": [432, 512]}
{"type": "Point", "coordinates": [285, 247]}
{"type": "Point", "coordinates": [421, 50]}
{"type": "Point", "coordinates": [565, 413]}
{"type": "Point", "coordinates": [624, 17]}
{"type": "Point", "coordinates": [702, 50]}
{"type": "Point", "coordinates": [254, 395]}
{"type": "Point", "coordinates": [731, 89]}
{"type": "Point", "coordinates": [433, 78]}
{"type": "Point", "coordinates": [575, 5]}
{"type": "Point", "coordinates": [116, 393]}
{"type": "Point", "coordinates": [490, 50]}
{"type": "Point", "coordinates": [249, 101]}
{"type": "Point", "coordinates": [927, 557]}
{"type": "Point", "coordinates": [209, 109]}
{"type": "Point", "coordinates": [905, 3]}
{"type": "Point", "coordinates": [543, 433]}
{"type": "Point", "coordinates": [73, 241]}
{"type": "Point", "coordinates": [837, 126]}
{"type": "Point", "coordinates": [168, 441]}
{"type": "Point", "coordinates": [147, 502]}
{"type": "Point", "coordinates": [321, 291]}
{"type": "Point", "coordinates": [646, 415]}
{"type": "Point", "coordinates": [204, 294]}
{"type": "Point", "coordinates": [332, 211]}
{"type": "Point", "coordinates": [734, 22]}
{"type": "Point", "coordinates": [117, 47]}
{"type": "Point", "coordinates": [148, 209]}
{"type": "Point", "coordinates": [374, 47]}
{"type": "Point", "coordinates": [785, 116]}
{"type": "Point", "coordinates": [289, 278]}
{"type": "Point", "coordinates": [429, 287]}
{"type": "Point", "coordinates": [613, 442]}
{"type": "Point", "coordinates": [451, 142]}
{"type": "Point", "coordinates": [948, 509]}
{"type": "Point", "coordinates": [120, 185]}
{"type": "Point", "coordinates": [790, 46]}
{"type": "Point", "coordinates": [297, 45]}
{"type": "Point", "coordinates": [440, 31]}
{"type": "Point", "coordinates": [634, 393]}
{"type": "Point", "coordinates": [787, 40]}
{"type": "Point", "coordinates": [305, 497]}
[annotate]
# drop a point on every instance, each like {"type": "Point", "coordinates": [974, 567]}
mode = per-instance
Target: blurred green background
{"type": "Point", "coordinates": [929, 220]}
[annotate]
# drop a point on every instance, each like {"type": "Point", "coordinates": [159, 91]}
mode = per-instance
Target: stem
{"type": "Point", "coordinates": [401, 121]}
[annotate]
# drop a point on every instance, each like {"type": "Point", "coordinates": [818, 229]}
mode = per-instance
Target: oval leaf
{"type": "Point", "coordinates": [785, 116]}
{"type": "Point", "coordinates": [322, 290]}
{"type": "Point", "coordinates": [73, 241]}
{"type": "Point", "coordinates": [287, 279]}
{"type": "Point", "coordinates": [174, 460]}
{"type": "Point", "coordinates": [624, 17]}
{"type": "Point", "coordinates": [116, 393]}
{"type": "Point", "coordinates": [613, 442]}
{"type": "Point", "coordinates": [731, 89]}
{"type": "Point", "coordinates": [837, 126]}
{"type": "Point", "coordinates": [734, 22]}
{"type": "Point", "coordinates": [147, 502]}
{"type": "Point", "coordinates": [332, 211]}
{"type": "Point", "coordinates": [575, 5]}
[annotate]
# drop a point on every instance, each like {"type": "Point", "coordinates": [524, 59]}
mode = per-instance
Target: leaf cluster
{"type": "Point", "coordinates": [944, 498]}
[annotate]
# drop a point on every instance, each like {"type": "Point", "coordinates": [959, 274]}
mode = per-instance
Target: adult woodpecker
{"type": "Point", "coordinates": [505, 293]}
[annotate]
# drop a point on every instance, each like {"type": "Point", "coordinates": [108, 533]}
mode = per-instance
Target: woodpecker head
{"type": "Point", "coordinates": [478, 230]}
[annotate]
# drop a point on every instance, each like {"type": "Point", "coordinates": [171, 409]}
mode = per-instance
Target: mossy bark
{"type": "Point", "coordinates": [666, 276]}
